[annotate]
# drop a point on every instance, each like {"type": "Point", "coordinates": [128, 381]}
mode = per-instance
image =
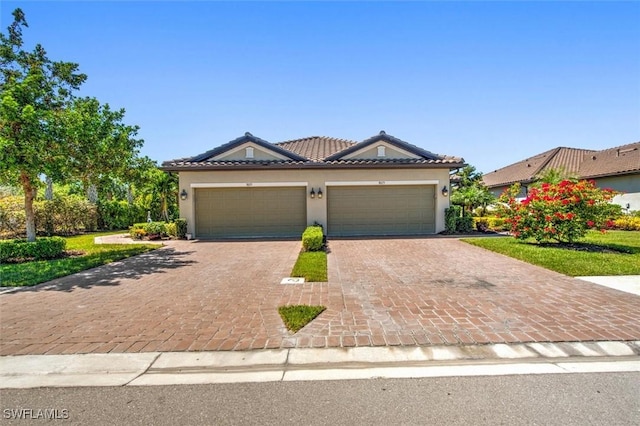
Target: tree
{"type": "Point", "coordinates": [469, 191]}
{"type": "Point", "coordinates": [562, 212]}
{"type": "Point", "coordinates": [100, 147]}
{"type": "Point", "coordinates": [46, 131]}
{"type": "Point", "coordinates": [553, 176]}
{"type": "Point", "coordinates": [160, 192]}
{"type": "Point", "coordinates": [35, 91]}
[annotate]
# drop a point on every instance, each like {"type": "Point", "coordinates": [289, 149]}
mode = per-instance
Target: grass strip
{"type": "Point", "coordinates": [312, 265]}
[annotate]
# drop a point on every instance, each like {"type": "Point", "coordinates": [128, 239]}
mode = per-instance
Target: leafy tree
{"type": "Point", "coordinates": [160, 191]}
{"type": "Point", "coordinates": [562, 212]}
{"type": "Point", "coordinates": [554, 176]}
{"type": "Point", "coordinates": [46, 131]}
{"type": "Point", "coordinates": [35, 90]}
{"type": "Point", "coordinates": [470, 192]}
{"type": "Point", "coordinates": [101, 148]}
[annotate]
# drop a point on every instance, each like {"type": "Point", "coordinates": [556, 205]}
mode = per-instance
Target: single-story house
{"type": "Point", "coordinates": [617, 168]}
{"type": "Point", "coordinates": [249, 187]}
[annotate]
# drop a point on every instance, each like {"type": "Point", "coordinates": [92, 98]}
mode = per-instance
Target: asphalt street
{"type": "Point", "coordinates": [552, 399]}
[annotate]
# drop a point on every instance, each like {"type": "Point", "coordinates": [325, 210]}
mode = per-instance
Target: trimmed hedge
{"type": "Point", "coordinates": [313, 238]}
{"type": "Point", "coordinates": [451, 215]}
{"type": "Point", "coordinates": [40, 249]}
{"type": "Point", "coordinates": [181, 228]}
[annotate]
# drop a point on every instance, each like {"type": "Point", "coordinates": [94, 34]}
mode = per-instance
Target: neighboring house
{"type": "Point", "coordinates": [617, 168]}
{"type": "Point", "coordinates": [253, 188]}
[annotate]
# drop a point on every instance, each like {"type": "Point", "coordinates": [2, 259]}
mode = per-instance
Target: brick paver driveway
{"type": "Point", "coordinates": [224, 296]}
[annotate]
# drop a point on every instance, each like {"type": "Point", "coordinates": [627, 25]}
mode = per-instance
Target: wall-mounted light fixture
{"type": "Point", "coordinates": [319, 192]}
{"type": "Point", "coordinates": [445, 191]}
{"type": "Point", "coordinates": [312, 194]}
{"type": "Point", "coordinates": [183, 195]}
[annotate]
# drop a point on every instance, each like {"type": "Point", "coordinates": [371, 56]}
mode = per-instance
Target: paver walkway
{"type": "Point", "coordinates": [194, 296]}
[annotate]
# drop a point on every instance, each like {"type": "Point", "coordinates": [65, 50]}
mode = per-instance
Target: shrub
{"type": "Point", "coordinates": [65, 215]}
{"type": "Point", "coordinates": [482, 224]}
{"type": "Point", "coordinates": [464, 224]}
{"type": "Point", "coordinates": [113, 214]}
{"type": "Point", "coordinates": [41, 248]}
{"type": "Point", "coordinates": [312, 238]}
{"type": "Point", "coordinates": [12, 216]}
{"type": "Point", "coordinates": [171, 229]}
{"type": "Point", "coordinates": [627, 223]}
{"type": "Point", "coordinates": [491, 223]}
{"type": "Point", "coordinates": [451, 216]}
{"type": "Point", "coordinates": [181, 228]}
{"type": "Point", "coordinates": [156, 228]}
{"type": "Point", "coordinates": [562, 212]}
{"type": "Point", "coordinates": [136, 231]}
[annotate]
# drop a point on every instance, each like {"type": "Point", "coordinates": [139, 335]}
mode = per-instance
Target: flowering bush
{"type": "Point", "coordinates": [562, 212]}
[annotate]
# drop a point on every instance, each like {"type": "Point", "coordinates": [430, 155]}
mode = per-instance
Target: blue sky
{"type": "Point", "coordinates": [493, 82]}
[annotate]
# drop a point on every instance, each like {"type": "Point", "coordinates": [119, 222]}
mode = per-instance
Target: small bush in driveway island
{"type": "Point", "coordinates": [313, 238]}
{"type": "Point", "coordinates": [561, 212]}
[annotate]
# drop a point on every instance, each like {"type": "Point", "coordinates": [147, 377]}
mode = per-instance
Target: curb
{"type": "Point", "coordinates": [172, 368]}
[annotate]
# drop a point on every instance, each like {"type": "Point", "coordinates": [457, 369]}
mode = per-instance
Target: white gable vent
{"type": "Point", "coordinates": [381, 151]}
{"type": "Point", "coordinates": [248, 152]}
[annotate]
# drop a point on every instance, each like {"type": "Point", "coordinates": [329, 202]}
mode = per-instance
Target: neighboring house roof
{"type": "Point", "coordinates": [583, 163]}
{"type": "Point", "coordinates": [314, 151]}
{"type": "Point", "coordinates": [613, 161]}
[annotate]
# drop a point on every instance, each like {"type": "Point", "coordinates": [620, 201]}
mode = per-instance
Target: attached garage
{"type": "Point", "coordinates": [250, 212]}
{"type": "Point", "coordinates": [249, 187]}
{"type": "Point", "coordinates": [381, 210]}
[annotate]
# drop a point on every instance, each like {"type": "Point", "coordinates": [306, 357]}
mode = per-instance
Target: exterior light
{"type": "Point", "coordinates": [312, 194]}
{"type": "Point", "coordinates": [319, 192]}
{"type": "Point", "coordinates": [183, 195]}
{"type": "Point", "coordinates": [445, 191]}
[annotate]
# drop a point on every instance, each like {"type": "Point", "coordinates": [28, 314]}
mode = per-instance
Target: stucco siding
{"type": "Point", "coordinates": [316, 179]}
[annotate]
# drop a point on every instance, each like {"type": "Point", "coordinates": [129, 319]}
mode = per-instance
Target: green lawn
{"type": "Point", "coordinates": [32, 273]}
{"type": "Point", "coordinates": [312, 265]}
{"type": "Point", "coordinates": [297, 316]}
{"type": "Point", "coordinates": [612, 253]}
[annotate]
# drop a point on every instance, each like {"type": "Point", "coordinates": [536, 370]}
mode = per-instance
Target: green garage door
{"type": "Point", "coordinates": [250, 212]}
{"type": "Point", "coordinates": [381, 210]}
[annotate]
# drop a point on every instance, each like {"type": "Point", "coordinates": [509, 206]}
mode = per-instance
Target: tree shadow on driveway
{"type": "Point", "coordinates": [112, 274]}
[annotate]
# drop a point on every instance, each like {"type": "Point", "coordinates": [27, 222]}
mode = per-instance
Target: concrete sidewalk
{"type": "Point", "coordinates": [173, 368]}
{"type": "Point", "coordinates": [626, 283]}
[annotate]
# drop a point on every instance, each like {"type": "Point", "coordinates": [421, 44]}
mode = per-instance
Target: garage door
{"type": "Point", "coordinates": [381, 210]}
{"type": "Point", "coordinates": [250, 212]}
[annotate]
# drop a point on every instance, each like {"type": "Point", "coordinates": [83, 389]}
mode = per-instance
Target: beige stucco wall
{"type": "Point", "coordinates": [313, 178]}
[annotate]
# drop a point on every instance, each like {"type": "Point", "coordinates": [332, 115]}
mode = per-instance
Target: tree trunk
{"type": "Point", "coordinates": [48, 194]}
{"type": "Point", "coordinates": [92, 193]}
{"type": "Point", "coordinates": [29, 196]}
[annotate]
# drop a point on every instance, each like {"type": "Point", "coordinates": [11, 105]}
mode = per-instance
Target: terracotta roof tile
{"type": "Point", "coordinates": [584, 163]}
{"type": "Point", "coordinates": [316, 148]}
{"type": "Point", "coordinates": [314, 151]}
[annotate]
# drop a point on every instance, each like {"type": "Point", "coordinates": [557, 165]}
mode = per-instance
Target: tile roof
{"type": "Point", "coordinates": [613, 161]}
{"type": "Point", "coordinates": [584, 163]}
{"type": "Point", "coordinates": [314, 151]}
{"type": "Point", "coordinates": [316, 148]}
